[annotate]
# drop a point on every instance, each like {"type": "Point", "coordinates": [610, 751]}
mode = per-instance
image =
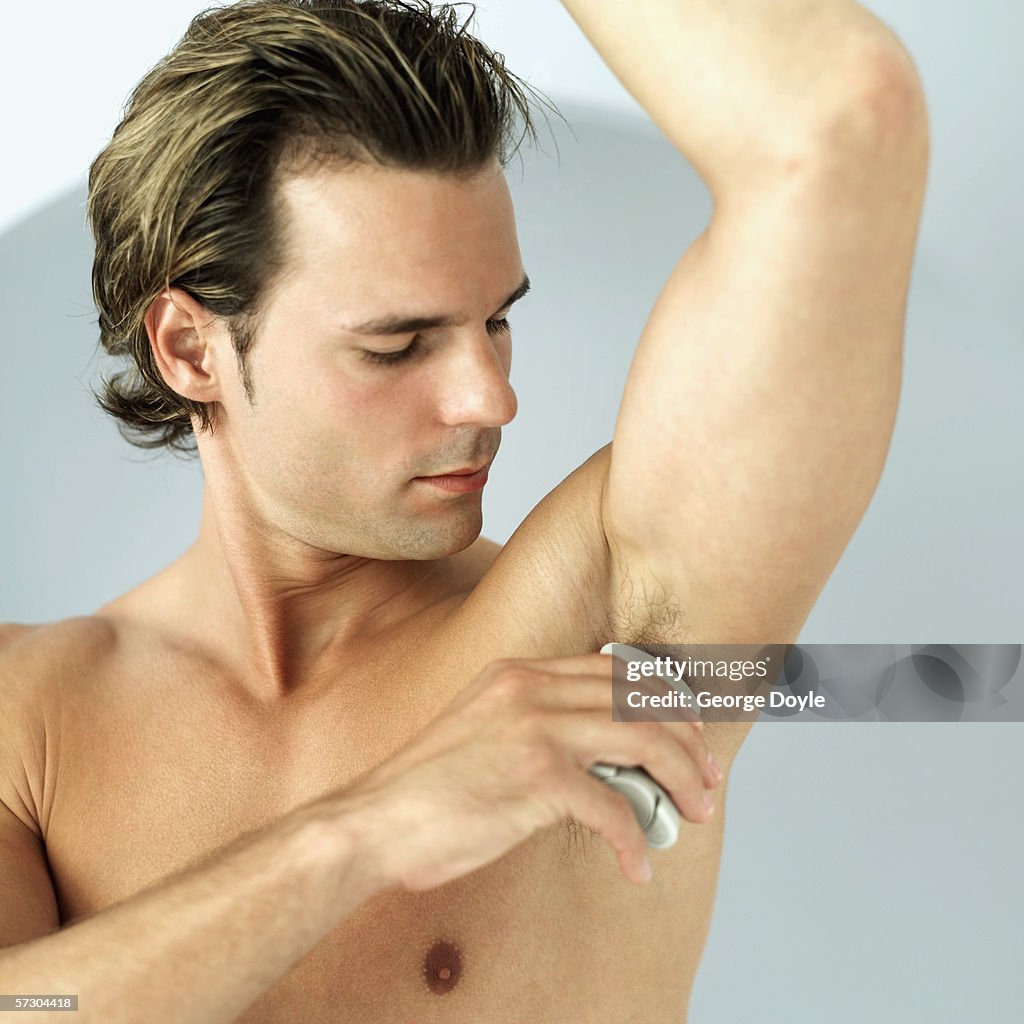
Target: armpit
{"type": "Point", "coordinates": [646, 610]}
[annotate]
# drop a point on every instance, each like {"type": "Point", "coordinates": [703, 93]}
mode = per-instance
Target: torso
{"type": "Point", "coordinates": [152, 764]}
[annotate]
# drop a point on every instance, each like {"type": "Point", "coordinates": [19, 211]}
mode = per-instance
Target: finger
{"type": "Point", "coordinates": [543, 672]}
{"type": "Point", "coordinates": [585, 693]}
{"type": "Point", "coordinates": [610, 815]}
{"type": "Point", "coordinates": [694, 743]}
{"type": "Point", "coordinates": [563, 680]}
{"type": "Point", "coordinates": [565, 690]}
{"type": "Point", "coordinates": [679, 767]}
{"type": "Point", "coordinates": [578, 693]}
{"type": "Point", "coordinates": [571, 664]}
{"type": "Point", "coordinates": [598, 725]}
{"type": "Point", "coordinates": [651, 685]}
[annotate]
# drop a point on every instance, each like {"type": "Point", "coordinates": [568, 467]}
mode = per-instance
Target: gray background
{"type": "Point", "coordinates": [869, 870]}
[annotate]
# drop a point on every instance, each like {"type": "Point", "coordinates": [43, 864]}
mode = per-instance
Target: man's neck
{"type": "Point", "coordinates": [280, 613]}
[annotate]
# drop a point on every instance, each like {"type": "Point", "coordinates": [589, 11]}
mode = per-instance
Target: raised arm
{"type": "Point", "coordinates": [760, 403]}
{"type": "Point", "coordinates": [749, 90]}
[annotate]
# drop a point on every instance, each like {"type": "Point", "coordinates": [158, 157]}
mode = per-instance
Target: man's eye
{"type": "Point", "coordinates": [390, 358]}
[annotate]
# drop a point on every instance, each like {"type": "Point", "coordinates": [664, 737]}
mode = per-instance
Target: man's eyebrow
{"type": "Point", "coordinates": [398, 324]}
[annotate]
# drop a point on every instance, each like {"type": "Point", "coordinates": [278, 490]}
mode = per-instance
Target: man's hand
{"type": "Point", "coordinates": [509, 756]}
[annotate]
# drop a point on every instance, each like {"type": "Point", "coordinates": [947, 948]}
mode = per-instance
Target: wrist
{"type": "Point", "coordinates": [341, 837]}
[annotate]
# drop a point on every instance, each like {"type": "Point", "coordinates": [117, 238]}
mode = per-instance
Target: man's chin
{"type": "Point", "coordinates": [431, 539]}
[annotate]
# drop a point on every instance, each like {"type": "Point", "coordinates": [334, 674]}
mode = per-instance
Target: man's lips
{"type": "Point", "coordinates": [460, 481]}
{"type": "Point", "coordinates": [458, 472]}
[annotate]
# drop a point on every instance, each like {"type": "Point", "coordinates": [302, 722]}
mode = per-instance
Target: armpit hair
{"type": "Point", "coordinates": [576, 838]}
{"type": "Point", "coordinates": [647, 611]}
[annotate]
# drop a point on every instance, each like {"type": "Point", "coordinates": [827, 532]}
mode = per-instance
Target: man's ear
{"type": "Point", "coordinates": [181, 333]}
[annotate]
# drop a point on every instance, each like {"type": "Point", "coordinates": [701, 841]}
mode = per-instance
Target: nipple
{"type": "Point", "coordinates": [442, 967]}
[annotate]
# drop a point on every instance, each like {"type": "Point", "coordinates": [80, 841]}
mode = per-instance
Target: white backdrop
{"type": "Point", "coordinates": [67, 67]}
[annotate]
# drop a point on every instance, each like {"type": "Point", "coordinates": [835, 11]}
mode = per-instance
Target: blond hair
{"type": "Point", "coordinates": [185, 193]}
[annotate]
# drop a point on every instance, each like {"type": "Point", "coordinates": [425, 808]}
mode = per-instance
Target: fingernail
{"type": "Point", "coordinates": [645, 869]}
{"type": "Point", "coordinates": [716, 771]}
{"type": "Point", "coordinates": [709, 804]}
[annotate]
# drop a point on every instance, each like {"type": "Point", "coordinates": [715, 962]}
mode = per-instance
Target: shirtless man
{"type": "Point", "coordinates": [330, 765]}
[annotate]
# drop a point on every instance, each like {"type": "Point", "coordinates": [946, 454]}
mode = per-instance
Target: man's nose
{"type": "Point", "coordinates": [475, 387]}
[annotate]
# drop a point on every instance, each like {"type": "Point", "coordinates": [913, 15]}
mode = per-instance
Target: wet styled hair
{"type": "Point", "coordinates": [185, 193]}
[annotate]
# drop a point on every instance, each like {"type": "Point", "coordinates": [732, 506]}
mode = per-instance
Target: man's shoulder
{"type": "Point", "coordinates": [35, 657]}
{"type": "Point", "coordinates": [545, 592]}
{"type": "Point", "coordinates": [36, 660]}
{"type": "Point", "coordinates": [25, 638]}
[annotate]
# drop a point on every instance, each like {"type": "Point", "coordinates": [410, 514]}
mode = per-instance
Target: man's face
{"type": "Point", "coordinates": [331, 450]}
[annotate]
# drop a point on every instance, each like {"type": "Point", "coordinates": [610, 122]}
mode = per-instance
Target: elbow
{"type": "Point", "coordinates": [880, 112]}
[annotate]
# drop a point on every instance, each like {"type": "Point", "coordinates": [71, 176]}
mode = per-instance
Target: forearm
{"type": "Point", "coordinates": [741, 87]}
{"type": "Point", "coordinates": [203, 945]}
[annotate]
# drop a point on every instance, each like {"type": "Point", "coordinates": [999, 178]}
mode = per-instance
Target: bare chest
{"type": "Point", "coordinates": [153, 774]}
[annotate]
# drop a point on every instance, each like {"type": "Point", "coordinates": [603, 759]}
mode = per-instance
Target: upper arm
{"type": "Point", "coordinates": [28, 903]}
{"type": "Point", "coordinates": [759, 406]}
